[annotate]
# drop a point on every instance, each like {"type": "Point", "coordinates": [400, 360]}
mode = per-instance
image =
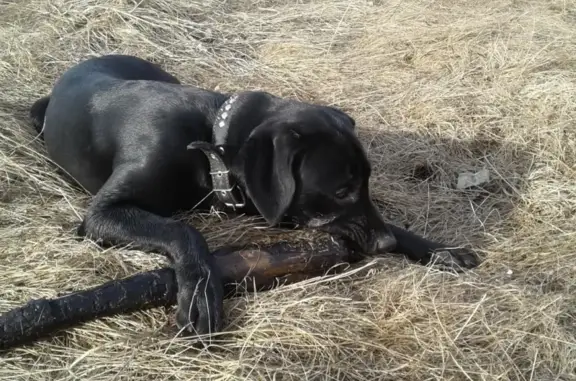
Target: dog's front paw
{"type": "Point", "coordinates": [200, 302]}
{"type": "Point", "coordinates": [458, 259]}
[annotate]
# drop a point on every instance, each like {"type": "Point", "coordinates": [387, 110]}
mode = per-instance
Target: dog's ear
{"type": "Point", "coordinates": [343, 117]}
{"type": "Point", "coordinates": [268, 158]}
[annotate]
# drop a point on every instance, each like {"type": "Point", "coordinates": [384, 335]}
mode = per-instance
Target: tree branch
{"type": "Point", "coordinates": [261, 268]}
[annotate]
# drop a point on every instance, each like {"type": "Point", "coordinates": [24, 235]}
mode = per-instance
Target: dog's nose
{"type": "Point", "coordinates": [385, 244]}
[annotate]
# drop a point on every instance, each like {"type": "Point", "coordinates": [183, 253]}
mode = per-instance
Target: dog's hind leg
{"type": "Point", "coordinates": [37, 112]}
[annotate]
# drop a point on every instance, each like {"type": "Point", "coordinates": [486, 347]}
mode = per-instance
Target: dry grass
{"type": "Point", "coordinates": [443, 85]}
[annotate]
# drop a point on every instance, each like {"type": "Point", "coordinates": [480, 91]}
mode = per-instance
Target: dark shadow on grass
{"type": "Point", "coordinates": [415, 177]}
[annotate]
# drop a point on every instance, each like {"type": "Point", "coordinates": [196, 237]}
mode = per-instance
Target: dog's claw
{"type": "Point", "coordinates": [457, 259]}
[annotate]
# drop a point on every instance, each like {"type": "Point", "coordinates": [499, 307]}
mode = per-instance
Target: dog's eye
{"type": "Point", "coordinates": [342, 192]}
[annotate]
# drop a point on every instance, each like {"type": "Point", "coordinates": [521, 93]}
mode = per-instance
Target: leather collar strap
{"type": "Point", "coordinates": [223, 184]}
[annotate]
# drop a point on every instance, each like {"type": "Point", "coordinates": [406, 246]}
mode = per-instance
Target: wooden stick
{"type": "Point", "coordinates": [261, 268]}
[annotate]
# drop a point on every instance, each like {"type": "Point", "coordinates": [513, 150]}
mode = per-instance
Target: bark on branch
{"type": "Point", "coordinates": [261, 268]}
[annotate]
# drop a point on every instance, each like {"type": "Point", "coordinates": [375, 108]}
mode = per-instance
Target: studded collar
{"type": "Point", "coordinates": [223, 184]}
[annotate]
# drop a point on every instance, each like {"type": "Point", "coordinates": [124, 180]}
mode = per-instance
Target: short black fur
{"type": "Point", "coordinates": [120, 125]}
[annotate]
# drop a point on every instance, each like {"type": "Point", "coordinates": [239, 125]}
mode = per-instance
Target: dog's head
{"type": "Point", "coordinates": [308, 166]}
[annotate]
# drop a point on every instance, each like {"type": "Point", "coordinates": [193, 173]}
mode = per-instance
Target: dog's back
{"type": "Point", "coordinates": [116, 66]}
{"type": "Point", "coordinates": [65, 119]}
{"type": "Point", "coordinates": [113, 66]}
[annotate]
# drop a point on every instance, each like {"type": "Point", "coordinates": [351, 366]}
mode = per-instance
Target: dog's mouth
{"type": "Point", "coordinates": [319, 222]}
{"type": "Point", "coordinates": [352, 246]}
{"type": "Point", "coordinates": [355, 251]}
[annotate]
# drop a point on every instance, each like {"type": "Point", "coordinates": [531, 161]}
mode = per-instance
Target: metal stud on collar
{"type": "Point", "coordinates": [223, 185]}
{"type": "Point", "coordinates": [222, 116]}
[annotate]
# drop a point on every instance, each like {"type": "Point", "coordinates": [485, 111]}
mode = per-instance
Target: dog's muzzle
{"type": "Point", "coordinates": [384, 243]}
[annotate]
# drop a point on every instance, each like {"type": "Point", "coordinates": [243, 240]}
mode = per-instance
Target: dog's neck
{"type": "Point", "coordinates": [221, 124]}
{"type": "Point", "coordinates": [223, 182]}
{"type": "Point", "coordinates": [237, 118]}
{"type": "Point", "coordinates": [233, 122]}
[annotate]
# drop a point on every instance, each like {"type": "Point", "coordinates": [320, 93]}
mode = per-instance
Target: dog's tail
{"type": "Point", "coordinates": [37, 113]}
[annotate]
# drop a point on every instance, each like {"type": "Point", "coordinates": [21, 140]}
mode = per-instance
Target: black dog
{"type": "Point", "coordinates": [147, 147]}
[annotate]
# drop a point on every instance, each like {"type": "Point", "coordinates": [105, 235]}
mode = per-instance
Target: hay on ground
{"type": "Point", "coordinates": [436, 87]}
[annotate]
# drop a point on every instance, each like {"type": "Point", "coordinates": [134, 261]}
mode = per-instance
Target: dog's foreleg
{"type": "Point", "coordinates": [114, 218]}
{"type": "Point", "coordinates": [421, 250]}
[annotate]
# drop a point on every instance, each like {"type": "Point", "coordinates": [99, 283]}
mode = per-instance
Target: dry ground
{"type": "Point", "coordinates": [437, 88]}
